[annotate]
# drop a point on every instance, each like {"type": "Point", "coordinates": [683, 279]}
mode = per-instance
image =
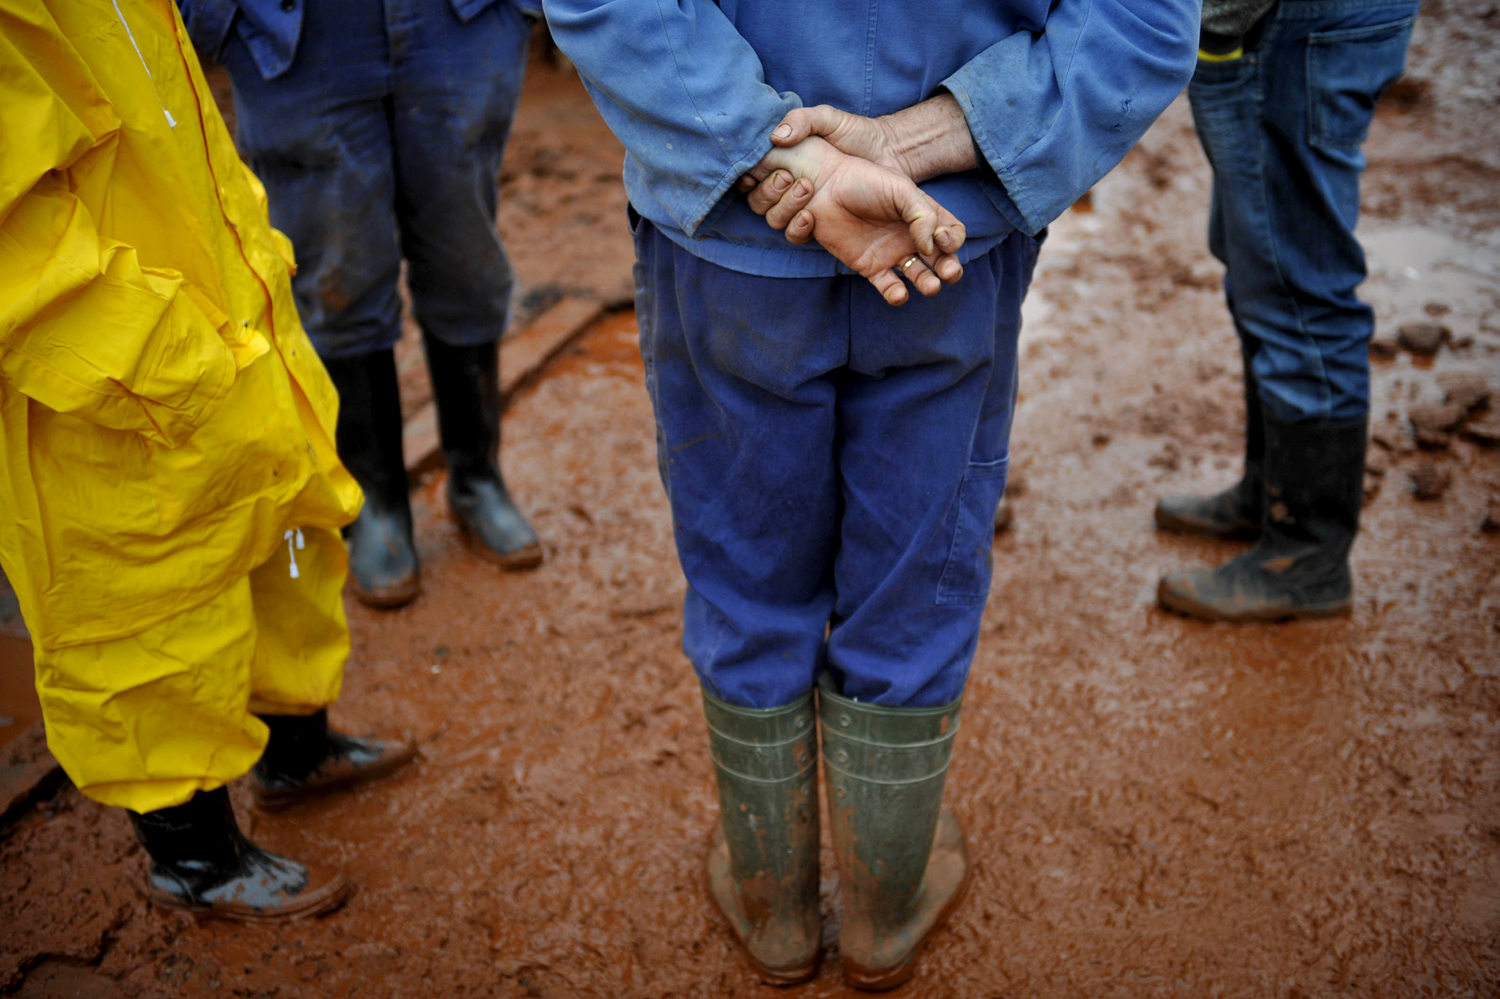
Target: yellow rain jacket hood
{"type": "Point", "coordinates": [163, 417]}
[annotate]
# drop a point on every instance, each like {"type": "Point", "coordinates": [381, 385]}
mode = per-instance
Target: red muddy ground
{"type": "Point", "coordinates": [1155, 807]}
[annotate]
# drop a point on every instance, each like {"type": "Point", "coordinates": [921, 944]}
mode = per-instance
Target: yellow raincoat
{"type": "Point", "coordinates": [164, 420]}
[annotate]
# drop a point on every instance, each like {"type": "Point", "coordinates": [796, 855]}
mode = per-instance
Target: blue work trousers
{"type": "Point", "coordinates": [1282, 126]}
{"type": "Point", "coordinates": [384, 140]}
{"type": "Point", "coordinates": [833, 466]}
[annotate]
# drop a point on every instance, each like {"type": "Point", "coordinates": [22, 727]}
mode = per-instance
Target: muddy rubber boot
{"type": "Point", "coordinates": [305, 759]}
{"type": "Point", "coordinates": [200, 861]}
{"type": "Point", "coordinates": [1300, 566]}
{"type": "Point", "coordinates": [1235, 512]}
{"type": "Point", "coordinates": [903, 863]}
{"type": "Point", "coordinates": [466, 385]}
{"type": "Point", "coordinates": [383, 570]}
{"type": "Point", "coordinates": [762, 864]}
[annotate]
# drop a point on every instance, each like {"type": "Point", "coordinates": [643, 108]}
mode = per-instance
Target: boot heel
{"type": "Point", "coordinates": [762, 863]}
{"type": "Point", "coordinates": [903, 860]}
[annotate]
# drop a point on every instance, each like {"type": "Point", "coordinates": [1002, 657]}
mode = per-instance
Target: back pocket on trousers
{"type": "Point", "coordinates": [1347, 71]}
{"type": "Point", "coordinates": [966, 576]}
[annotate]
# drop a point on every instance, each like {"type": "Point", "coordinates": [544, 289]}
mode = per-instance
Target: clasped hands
{"type": "Point", "coordinates": [850, 182]}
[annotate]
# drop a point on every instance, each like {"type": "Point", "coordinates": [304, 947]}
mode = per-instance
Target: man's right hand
{"type": "Point", "coordinates": [870, 218]}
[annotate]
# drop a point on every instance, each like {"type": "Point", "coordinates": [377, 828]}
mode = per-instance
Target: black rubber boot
{"type": "Point", "coordinates": [762, 862]}
{"type": "Point", "coordinates": [466, 385]}
{"type": "Point", "coordinates": [201, 861]}
{"type": "Point", "coordinates": [1314, 480]}
{"type": "Point", "coordinates": [903, 862]}
{"type": "Point", "coordinates": [305, 759]}
{"type": "Point", "coordinates": [382, 558]}
{"type": "Point", "coordinates": [1235, 512]}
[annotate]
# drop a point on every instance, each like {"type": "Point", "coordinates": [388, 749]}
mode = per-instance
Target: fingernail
{"type": "Point", "coordinates": [782, 131]}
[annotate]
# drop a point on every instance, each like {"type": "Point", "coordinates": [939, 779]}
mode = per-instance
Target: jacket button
{"type": "Point", "coordinates": [288, 5]}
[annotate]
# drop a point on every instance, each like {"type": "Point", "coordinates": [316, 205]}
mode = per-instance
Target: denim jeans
{"type": "Point", "coordinates": [833, 465]}
{"type": "Point", "coordinates": [384, 140]}
{"type": "Point", "coordinates": [1282, 126]}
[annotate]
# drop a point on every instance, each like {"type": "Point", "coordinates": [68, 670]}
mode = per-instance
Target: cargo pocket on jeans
{"type": "Point", "coordinates": [1347, 71]}
{"type": "Point", "coordinates": [966, 576]}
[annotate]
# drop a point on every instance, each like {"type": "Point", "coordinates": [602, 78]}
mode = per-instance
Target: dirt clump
{"type": "Point", "coordinates": [1430, 481]}
{"type": "Point", "coordinates": [1423, 338]}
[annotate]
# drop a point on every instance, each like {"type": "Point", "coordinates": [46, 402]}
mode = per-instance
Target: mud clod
{"type": "Point", "coordinates": [1423, 338]}
{"type": "Point", "coordinates": [1430, 481]}
{"type": "Point", "coordinates": [1468, 390]}
{"type": "Point", "coordinates": [1485, 432]}
{"type": "Point", "coordinates": [1432, 424]}
{"type": "Point", "coordinates": [1491, 522]}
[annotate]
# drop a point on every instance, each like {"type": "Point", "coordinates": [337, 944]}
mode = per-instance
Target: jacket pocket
{"type": "Point", "coordinates": [966, 576]}
{"type": "Point", "coordinates": [1347, 71]}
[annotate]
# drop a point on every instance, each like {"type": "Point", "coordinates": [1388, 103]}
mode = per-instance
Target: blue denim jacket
{"type": "Point", "coordinates": [1055, 93]}
{"type": "Point", "coordinates": [270, 29]}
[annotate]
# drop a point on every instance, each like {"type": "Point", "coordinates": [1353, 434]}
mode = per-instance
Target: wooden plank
{"type": "Point", "coordinates": [421, 445]}
{"type": "Point", "coordinates": [525, 355]}
{"type": "Point", "coordinates": [522, 358]}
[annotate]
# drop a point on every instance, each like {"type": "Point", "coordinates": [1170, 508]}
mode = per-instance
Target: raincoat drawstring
{"type": "Point", "coordinates": [294, 541]}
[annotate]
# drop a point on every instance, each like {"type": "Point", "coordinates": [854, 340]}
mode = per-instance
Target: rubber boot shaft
{"type": "Point", "coordinates": [202, 862]}
{"type": "Point", "coordinates": [1314, 485]}
{"type": "Point", "coordinates": [382, 558]}
{"type": "Point", "coordinates": [901, 857]}
{"type": "Point", "coordinates": [466, 386]}
{"type": "Point", "coordinates": [763, 860]}
{"type": "Point", "coordinates": [305, 759]}
{"type": "Point", "coordinates": [1235, 512]}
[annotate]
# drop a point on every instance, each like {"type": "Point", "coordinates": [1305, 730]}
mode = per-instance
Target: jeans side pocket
{"type": "Point", "coordinates": [966, 576]}
{"type": "Point", "coordinates": [1347, 71]}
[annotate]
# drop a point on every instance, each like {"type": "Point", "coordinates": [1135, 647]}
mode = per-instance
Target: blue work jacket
{"type": "Point", "coordinates": [1055, 93]}
{"type": "Point", "coordinates": [271, 29]}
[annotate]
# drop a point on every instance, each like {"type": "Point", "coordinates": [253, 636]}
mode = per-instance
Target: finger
{"type": "Point", "coordinates": [799, 123]}
{"type": "Point", "coordinates": [753, 176]}
{"type": "Point", "coordinates": [921, 215]}
{"type": "Point", "coordinates": [790, 204]}
{"type": "Point", "coordinates": [769, 191]}
{"type": "Point", "coordinates": [891, 288]}
{"type": "Point", "coordinates": [948, 268]}
{"type": "Point", "coordinates": [922, 277]}
{"type": "Point", "coordinates": [950, 233]}
{"type": "Point", "coordinates": [800, 229]}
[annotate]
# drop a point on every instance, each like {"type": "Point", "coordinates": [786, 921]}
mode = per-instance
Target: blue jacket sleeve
{"type": "Point", "coordinates": [680, 87]}
{"type": "Point", "coordinates": [1054, 108]}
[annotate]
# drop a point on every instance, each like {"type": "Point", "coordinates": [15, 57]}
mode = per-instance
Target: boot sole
{"type": "Point", "coordinates": [1207, 612]}
{"type": "Point", "coordinates": [317, 903]}
{"type": "Point", "coordinates": [527, 558]}
{"type": "Point", "coordinates": [270, 800]}
{"type": "Point", "coordinates": [389, 598]}
{"type": "Point", "coordinates": [885, 979]}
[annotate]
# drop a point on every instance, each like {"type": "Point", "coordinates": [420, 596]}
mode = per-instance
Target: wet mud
{"type": "Point", "coordinates": [1155, 806]}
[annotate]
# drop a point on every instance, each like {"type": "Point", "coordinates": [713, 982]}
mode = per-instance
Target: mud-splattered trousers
{"type": "Point", "coordinates": [383, 140]}
{"type": "Point", "coordinates": [1282, 126]}
{"type": "Point", "coordinates": [833, 466]}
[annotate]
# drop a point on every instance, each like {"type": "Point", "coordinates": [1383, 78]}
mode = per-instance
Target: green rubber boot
{"type": "Point", "coordinates": [903, 864]}
{"type": "Point", "coordinates": [762, 862]}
